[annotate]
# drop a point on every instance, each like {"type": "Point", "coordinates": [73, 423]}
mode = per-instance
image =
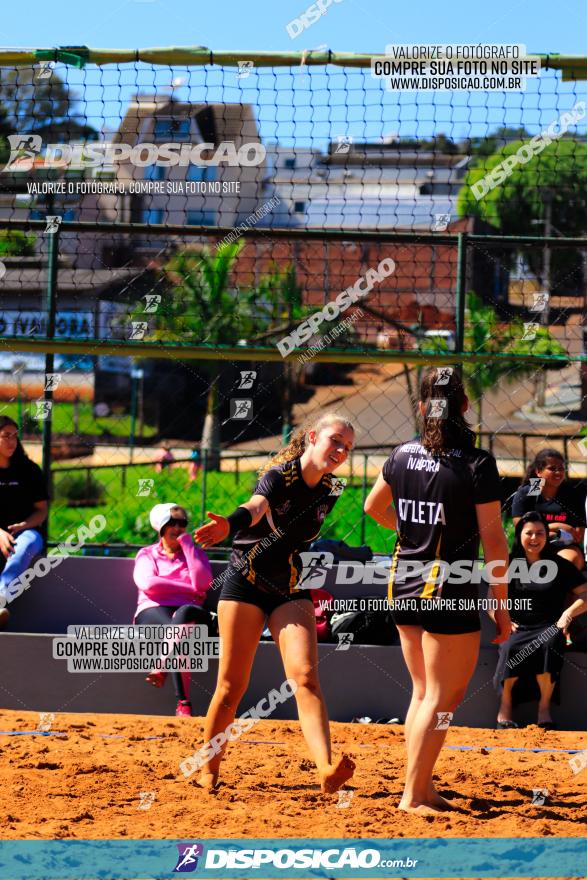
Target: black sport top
{"type": "Point", "coordinates": [267, 554]}
{"type": "Point", "coordinates": [20, 486]}
{"type": "Point", "coordinates": [547, 600]}
{"type": "Point", "coordinates": [434, 499]}
{"type": "Point", "coordinates": [567, 506]}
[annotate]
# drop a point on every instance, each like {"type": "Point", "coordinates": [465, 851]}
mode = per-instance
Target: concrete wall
{"type": "Point", "coordinates": [365, 680]}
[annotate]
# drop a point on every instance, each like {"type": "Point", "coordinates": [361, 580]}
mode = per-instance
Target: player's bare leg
{"type": "Point", "coordinates": [293, 628]}
{"type": "Point", "coordinates": [240, 626]}
{"type": "Point", "coordinates": [450, 662]}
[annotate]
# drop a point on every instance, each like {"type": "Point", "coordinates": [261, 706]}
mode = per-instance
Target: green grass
{"type": "Point", "coordinates": [62, 419]}
{"type": "Point", "coordinates": [127, 514]}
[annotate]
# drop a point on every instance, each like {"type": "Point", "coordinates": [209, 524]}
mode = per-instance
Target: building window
{"type": "Point", "coordinates": [299, 207]}
{"type": "Point", "coordinates": [154, 172]}
{"type": "Point", "coordinates": [290, 163]}
{"type": "Point", "coordinates": [172, 129]}
{"type": "Point", "coordinates": [153, 215]}
{"type": "Point", "coordinates": [200, 218]}
{"type": "Point", "coordinates": [201, 172]}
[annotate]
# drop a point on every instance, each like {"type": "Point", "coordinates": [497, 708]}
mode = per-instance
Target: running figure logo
{"type": "Point", "coordinates": [152, 301]}
{"type": "Point", "coordinates": [345, 797]}
{"type": "Point", "coordinates": [247, 379]}
{"type": "Point", "coordinates": [145, 487]}
{"type": "Point", "coordinates": [315, 567]}
{"type": "Point", "coordinates": [241, 409]}
{"type": "Point", "coordinates": [443, 720]}
{"type": "Point", "coordinates": [345, 641]}
{"type": "Point", "coordinates": [444, 374]}
{"type": "Point", "coordinates": [188, 857]}
{"type": "Point", "coordinates": [46, 720]}
{"type": "Point", "coordinates": [43, 410]}
{"type": "Point", "coordinates": [539, 795]}
{"type": "Point", "coordinates": [53, 222]}
{"type": "Point", "coordinates": [441, 222]}
{"type": "Point", "coordinates": [536, 484]}
{"type": "Point", "coordinates": [146, 800]}
{"type": "Point", "coordinates": [139, 328]}
{"type": "Point", "coordinates": [338, 486]}
{"type": "Point", "coordinates": [52, 380]}
{"type": "Point", "coordinates": [437, 408]}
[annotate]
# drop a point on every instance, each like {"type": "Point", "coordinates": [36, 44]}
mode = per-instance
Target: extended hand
{"type": "Point", "coordinates": [213, 532]}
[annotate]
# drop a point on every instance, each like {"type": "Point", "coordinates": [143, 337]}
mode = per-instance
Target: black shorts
{"type": "Point", "coordinates": [436, 620]}
{"type": "Point", "coordinates": [237, 588]}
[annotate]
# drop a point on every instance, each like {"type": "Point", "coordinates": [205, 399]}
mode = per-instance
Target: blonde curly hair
{"type": "Point", "coordinates": [298, 440]}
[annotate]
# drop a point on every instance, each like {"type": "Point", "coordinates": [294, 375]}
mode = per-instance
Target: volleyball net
{"type": "Point", "coordinates": [204, 248]}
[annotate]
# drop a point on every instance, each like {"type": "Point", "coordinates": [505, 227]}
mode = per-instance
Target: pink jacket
{"type": "Point", "coordinates": [183, 580]}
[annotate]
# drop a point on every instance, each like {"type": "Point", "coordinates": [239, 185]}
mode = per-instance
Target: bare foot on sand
{"type": "Point", "coordinates": [437, 800]}
{"type": "Point", "coordinates": [209, 781]}
{"type": "Point", "coordinates": [333, 776]}
{"type": "Point", "coordinates": [422, 809]}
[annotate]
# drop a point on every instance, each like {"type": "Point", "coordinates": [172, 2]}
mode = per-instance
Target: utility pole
{"type": "Point", "coordinates": [545, 313]}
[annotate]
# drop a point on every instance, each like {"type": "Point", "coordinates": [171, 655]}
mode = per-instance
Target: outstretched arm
{"type": "Point", "coordinates": [219, 528]}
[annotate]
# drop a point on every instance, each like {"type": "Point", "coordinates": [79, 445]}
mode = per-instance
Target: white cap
{"type": "Point", "coordinates": [160, 515]}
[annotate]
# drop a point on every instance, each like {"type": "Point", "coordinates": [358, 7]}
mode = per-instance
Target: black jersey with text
{"type": "Point", "coordinates": [267, 553]}
{"type": "Point", "coordinates": [434, 499]}
{"type": "Point", "coordinates": [567, 506]}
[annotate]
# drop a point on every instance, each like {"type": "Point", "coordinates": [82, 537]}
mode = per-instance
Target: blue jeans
{"type": "Point", "coordinates": [27, 545]}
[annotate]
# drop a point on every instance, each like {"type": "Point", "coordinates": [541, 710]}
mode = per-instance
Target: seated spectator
{"type": "Point", "coordinates": [173, 577]}
{"type": "Point", "coordinates": [533, 656]}
{"type": "Point", "coordinates": [165, 459]}
{"type": "Point", "coordinates": [562, 505]}
{"type": "Point", "coordinates": [23, 508]}
{"type": "Point", "coordinates": [195, 465]}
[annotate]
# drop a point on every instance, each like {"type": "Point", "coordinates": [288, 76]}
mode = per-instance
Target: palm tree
{"type": "Point", "coordinates": [200, 308]}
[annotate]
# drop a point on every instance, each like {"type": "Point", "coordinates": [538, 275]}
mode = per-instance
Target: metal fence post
{"type": "Point", "coordinates": [363, 498]}
{"type": "Point", "coordinates": [461, 293]}
{"type": "Point", "coordinates": [49, 307]}
{"type": "Point", "coordinates": [204, 481]}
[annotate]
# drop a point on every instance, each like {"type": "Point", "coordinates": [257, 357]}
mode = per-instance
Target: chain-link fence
{"type": "Point", "coordinates": [199, 252]}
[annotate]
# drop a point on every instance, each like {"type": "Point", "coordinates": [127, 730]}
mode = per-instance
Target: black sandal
{"type": "Point", "coordinates": [547, 725]}
{"type": "Point", "coordinates": [507, 725]}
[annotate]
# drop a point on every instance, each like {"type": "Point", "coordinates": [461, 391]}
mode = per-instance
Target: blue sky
{"type": "Point", "coordinates": [350, 25]}
{"type": "Point", "coordinates": [324, 107]}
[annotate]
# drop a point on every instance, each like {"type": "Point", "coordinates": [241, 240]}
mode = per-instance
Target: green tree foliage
{"type": "Point", "coordinates": [46, 107]}
{"type": "Point", "coordinates": [558, 174]}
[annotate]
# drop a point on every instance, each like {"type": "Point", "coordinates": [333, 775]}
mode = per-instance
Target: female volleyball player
{"type": "Point", "coordinates": [284, 514]}
{"type": "Point", "coordinates": [446, 497]}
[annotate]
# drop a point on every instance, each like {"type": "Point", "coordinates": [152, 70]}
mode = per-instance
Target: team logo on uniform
{"type": "Point", "coordinates": [321, 512]}
{"type": "Point", "coordinates": [188, 857]}
{"type": "Point", "coordinates": [283, 508]}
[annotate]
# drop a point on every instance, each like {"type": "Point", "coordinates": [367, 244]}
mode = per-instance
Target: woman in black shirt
{"type": "Point", "coordinates": [446, 498]}
{"type": "Point", "coordinates": [534, 653]}
{"type": "Point", "coordinates": [545, 490]}
{"type": "Point", "coordinates": [23, 507]}
{"type": "Point", "coordinates": [284, 514]}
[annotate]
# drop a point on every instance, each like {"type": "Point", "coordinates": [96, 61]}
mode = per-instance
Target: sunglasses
{"type": "Point", "coordinates": [181, 523]}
